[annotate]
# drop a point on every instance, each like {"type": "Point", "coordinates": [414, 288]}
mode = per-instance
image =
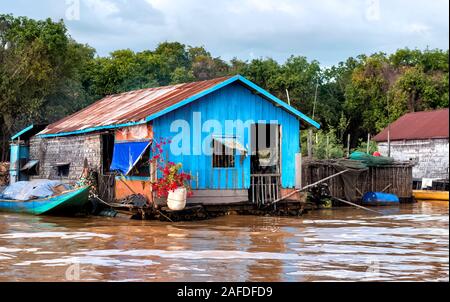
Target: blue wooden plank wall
{"type": "Point", "coordinates": [233, 102]}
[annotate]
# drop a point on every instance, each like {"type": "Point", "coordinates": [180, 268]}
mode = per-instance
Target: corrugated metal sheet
{"type": "Point", "coordinates": [418, 125]}
{"type": "Point", "coordinates": [129, 107]}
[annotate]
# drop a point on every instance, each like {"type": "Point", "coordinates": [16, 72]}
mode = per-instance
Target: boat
{"type": "Point", "coordinates": [380, 199]}
{"type": "Point", "coordinates": [66, 203]}
{"type": "Point", "coordinates": [430, 195]}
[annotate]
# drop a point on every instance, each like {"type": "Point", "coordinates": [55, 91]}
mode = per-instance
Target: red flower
{"type": "Point", "coordinates": [172, 176]}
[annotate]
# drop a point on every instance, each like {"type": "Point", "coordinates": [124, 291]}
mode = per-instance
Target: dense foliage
{"type": "Point", "coordinates": [45, 75]}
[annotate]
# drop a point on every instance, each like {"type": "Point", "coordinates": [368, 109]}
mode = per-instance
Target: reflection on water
{"type": "Point", "coordinates": [406, 243]}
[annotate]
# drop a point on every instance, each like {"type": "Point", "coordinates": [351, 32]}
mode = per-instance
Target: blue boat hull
{"type": "Point", "coordinates": [67, 203]}
{"type": "Point", "coordinates": [380, 199]}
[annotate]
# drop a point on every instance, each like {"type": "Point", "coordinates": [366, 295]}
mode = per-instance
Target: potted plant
{"type": "Point", "coordinates": [173, 183]}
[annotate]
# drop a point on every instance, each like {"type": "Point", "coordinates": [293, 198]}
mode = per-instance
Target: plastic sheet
{"type": "Point", "coordinates": [26, 190]}
{"type": "Point", "coordinates": [379, 198]}
{"type": "Point", "coordinates": [370, 160]}
{"type": "Point", "coordinates": [126, 155]}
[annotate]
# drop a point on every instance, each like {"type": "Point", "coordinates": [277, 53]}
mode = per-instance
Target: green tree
{"type": "Point", "coordinates": [45, 75]}
{"type": "Point", "coordinates": [326, 145]}
{"type": "Point", "coordinates": [366, 95]}
{"type": "Point", "coordinates": [204, 66]}
{"type": "Point", "coordinates": [40, 72]}
{"type": "Point", "coordinates": [170, 56]}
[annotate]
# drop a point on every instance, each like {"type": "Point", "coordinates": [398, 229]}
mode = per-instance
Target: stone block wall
{"type": "Point", "coordinates": [431, 156]}
{"type": "Point", "coordinates": [66, 149]}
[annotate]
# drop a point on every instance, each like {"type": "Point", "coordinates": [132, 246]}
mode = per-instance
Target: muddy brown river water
{"type": "Point", "coordinates": [408, 243]}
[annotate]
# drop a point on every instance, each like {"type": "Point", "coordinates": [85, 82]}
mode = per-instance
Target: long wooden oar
{"type": "Point", "coordinates": [357, 205]}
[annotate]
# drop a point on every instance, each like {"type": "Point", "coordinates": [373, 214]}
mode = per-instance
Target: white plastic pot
{"type": "Point", "coordinates": [176, 200]}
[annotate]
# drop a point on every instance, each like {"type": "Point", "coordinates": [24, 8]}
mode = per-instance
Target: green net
{"type": "Point", "coordinates": [370, 160]}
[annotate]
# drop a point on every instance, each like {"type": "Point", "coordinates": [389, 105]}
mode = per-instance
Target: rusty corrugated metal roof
{"type": "Point", "coordinates": [128, 107]}
{"type": "Point", "coordinates": [418, 125]}
{"type": "Point", "coordinates": [141, 106]}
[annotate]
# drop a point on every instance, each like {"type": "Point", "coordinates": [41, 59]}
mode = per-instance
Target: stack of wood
{"type": "Point", "coordinates": [4, 174]}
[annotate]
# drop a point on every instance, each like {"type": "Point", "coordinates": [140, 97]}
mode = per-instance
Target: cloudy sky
{"type": "Point", "coordinates": [326, 30]}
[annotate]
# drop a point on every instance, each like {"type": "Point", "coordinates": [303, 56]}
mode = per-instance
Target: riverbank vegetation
{"type": "Point", "coordinates": [45, 75]}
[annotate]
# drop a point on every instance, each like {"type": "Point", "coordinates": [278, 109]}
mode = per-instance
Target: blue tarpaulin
{"type": "Point", "coordinates": [126, 155]}
{"type": "Point", "coordinates": [26, 190]}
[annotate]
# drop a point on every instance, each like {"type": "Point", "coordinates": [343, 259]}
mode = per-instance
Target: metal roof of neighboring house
{"type": "Point", "coordinates": [142, 106]}
{"type": "Point", "coordinates": [418, 125]}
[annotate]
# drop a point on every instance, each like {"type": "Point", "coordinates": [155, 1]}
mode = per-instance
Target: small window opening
{"type": "Point", "coordinates": [63, 169]}
{"type": "Point", "coordinates": [33, 171]}
{"type": "Point", "coordinates": [223, 157]}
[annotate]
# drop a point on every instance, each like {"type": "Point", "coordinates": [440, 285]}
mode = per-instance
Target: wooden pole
{"type": "Point", "coordinates": [310, 144]}
{"type": "Point", "coordinates": [389, 128]}
{"type": "Point", "coordinates": [387, 187]}
{"type": "Point", "coordinates": [298, 170]}
{"type": "Point", "coordinates": [325, 179]}
{"type": "Point", "coordinates": [357, 205]}
{"type": "Point", "coordinates": [368, 143]}
{"type": "Point", "coordinates": [288, 98]}
{"type": "Point", "coordinates": [348, 145]}
{"type": "Point", "coordinates": [328, 143]}
{"type": "Point", "coordinates": [315, 99]}
{"type": "Point", "coordinates": [307, 187]}
{"type": "Point", "coordinates": [301, 170]}
{"type": "Point", "coordinates": [389, 140]}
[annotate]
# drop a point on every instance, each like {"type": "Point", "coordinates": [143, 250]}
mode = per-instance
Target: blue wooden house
{"type": "Point", "coordinates": [238, 141]}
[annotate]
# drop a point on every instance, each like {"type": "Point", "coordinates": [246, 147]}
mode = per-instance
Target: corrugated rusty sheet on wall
{"type": "Point", "coordinates": [138, 132]}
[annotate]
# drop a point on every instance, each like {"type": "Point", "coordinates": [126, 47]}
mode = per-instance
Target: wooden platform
{"type": "Point", "coordinates": [194, 212]}
{"type": "Point", "coordinates": [213, 197]}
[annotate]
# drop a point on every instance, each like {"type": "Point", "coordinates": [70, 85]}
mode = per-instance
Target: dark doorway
{"type": "Point", "coordinates": [107, 151]}
{"type": "Point", "coordinates": [265, 158]}
{"type": "Point", "coordinates": [105, 178]}
{"type": "Point", "coordinates": [265, 148]}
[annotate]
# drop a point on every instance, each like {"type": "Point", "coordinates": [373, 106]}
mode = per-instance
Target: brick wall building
{"type": "Point", "coordinates": [71, 151]}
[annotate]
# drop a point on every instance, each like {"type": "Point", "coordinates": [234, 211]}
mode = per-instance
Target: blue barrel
{"type": "Point", "coordinates": [380, 199]}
